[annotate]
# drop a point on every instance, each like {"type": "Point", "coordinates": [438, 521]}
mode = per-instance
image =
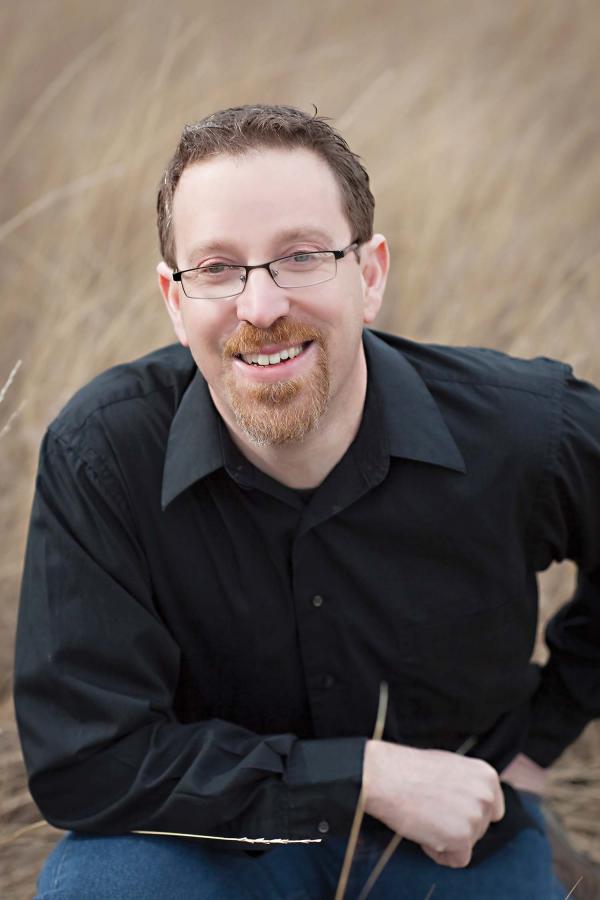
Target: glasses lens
{"type": "Point", "coordinates": [213, 282]}
{"type": "Point", "coordinates": [304, 269]}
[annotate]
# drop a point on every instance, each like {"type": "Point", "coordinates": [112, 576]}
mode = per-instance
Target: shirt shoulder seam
{"type": "Point", "coordinates": [102, 475]}
{"type": "Point", "coordinates": [487, 383]}
{"type": "Point", "coordinates": [61, 431]}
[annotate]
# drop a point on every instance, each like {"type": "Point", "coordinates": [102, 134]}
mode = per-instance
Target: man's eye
{"type": "Point", "coordinates": [213, 269]}
{"type": "Point", "coordinates": [301, 257]}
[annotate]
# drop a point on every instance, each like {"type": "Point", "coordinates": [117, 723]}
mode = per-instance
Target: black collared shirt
{"type": "Point", "coordinates": [200, 648]}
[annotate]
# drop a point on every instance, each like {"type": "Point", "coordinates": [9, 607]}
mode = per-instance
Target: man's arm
{"type": "Point", "coordinates": [567, 525]}
{"type": "Point", "coordinates": [95, 680]}
{"type": "Point", "coordinates": [443, 801]}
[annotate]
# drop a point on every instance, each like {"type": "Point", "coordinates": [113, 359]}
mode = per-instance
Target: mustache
{"type": "Point", "coordinates": [250, 339]}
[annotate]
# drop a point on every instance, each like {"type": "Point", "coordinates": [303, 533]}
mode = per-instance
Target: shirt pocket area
{"type": "Point", "coordinates": [461, 676]}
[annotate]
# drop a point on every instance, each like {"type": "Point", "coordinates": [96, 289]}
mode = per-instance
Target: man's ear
{"type": "Point", "coordinates": [374, 265]}
{"type": "Point", "coordinates": [172, 297]}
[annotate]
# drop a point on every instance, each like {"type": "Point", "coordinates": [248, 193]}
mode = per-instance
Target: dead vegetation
{"type": "Point", "coordinates": [479, 124]}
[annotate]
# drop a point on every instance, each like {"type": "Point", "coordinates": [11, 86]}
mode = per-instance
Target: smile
{"type": "Point", "coordinates": [273, 359]}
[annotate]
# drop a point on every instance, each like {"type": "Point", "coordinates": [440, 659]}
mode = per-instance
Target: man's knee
{"type": "Point", "coordinates": [139, 868]}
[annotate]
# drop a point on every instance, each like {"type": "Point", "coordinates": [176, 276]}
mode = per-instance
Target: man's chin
{"type": "Point", "coordinates": [273, 425]}
{"type": "Point", "coordinates": [279, 413]}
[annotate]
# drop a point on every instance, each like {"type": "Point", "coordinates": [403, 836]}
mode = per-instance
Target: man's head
{"type": "Point", "coordinates": [280, 350]}
{"type": "Point", "coordinates": [235, 131]}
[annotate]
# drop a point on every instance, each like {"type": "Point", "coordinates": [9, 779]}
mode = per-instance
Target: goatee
{"type": "Point", "coordinates": [282, 411]}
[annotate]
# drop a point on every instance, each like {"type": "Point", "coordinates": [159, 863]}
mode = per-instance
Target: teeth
{"type": "Point", "coordinates": [262, 359]}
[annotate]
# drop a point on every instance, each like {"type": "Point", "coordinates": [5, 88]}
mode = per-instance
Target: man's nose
{"type": "Point", "coordinates": [261, 303]}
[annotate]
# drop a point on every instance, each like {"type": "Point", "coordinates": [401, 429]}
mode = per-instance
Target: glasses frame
{"type": "Point", "coordinates": [337, 255]}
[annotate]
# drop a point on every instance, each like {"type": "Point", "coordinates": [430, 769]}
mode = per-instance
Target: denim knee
{"type": "Point", "coordinates": [140, 868]}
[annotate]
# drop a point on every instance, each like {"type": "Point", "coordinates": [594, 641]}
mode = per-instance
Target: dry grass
{"type": "Point", "coordinates": [478, 121]}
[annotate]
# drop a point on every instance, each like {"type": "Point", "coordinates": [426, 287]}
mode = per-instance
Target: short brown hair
{"type": "Point", "coordinates": [239, 129]}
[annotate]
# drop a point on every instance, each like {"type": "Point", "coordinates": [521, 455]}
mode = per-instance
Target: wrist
{"type": "Point", "coordinates": [382, 769]}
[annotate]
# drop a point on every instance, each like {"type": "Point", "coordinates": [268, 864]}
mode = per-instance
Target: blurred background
{"type": "Point", "coordinates": [478, 122]}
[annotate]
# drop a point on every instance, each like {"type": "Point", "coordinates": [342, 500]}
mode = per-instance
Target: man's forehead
{"type": "Point", "coordinates": [267, 198]}
{"type": "Point", "coordinates": [295, 172]}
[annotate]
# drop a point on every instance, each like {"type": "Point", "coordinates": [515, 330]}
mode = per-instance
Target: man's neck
{"type": "Point", "coordinates": [306, 463]}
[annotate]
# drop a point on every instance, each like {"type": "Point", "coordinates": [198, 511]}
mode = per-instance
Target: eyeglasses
{"type": "Point", "coordinates": [219, 281]}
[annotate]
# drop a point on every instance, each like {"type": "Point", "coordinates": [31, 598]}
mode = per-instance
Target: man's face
{"type": "Point", "coordinates": [251, 209]}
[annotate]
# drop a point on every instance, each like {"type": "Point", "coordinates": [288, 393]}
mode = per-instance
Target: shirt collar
{"type": "Point", "coordinates": [414, 424]}
{"type": "Point", "coordinates": [194, 445]}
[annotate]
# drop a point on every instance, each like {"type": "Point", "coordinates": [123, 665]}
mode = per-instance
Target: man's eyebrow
{"type": "Point", "coordinates": [284, 237]}
{"type": "Point", "coordinates": [305, 234]}
{"type": "Point", "coordinates": [207, 249]}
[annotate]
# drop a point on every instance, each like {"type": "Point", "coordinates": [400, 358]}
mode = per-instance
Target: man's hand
{"type": "Point", "coordinates": [525, 775]}
{"type": "Point", "coordinates": [440, 800]}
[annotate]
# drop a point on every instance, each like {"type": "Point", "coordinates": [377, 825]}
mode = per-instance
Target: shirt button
{"type": "Point", "coordinates": [317, 600]}
{"type": "Point", "coordinates": [323, 827]}
{"type": "Point", "coordinates": [328, 681]}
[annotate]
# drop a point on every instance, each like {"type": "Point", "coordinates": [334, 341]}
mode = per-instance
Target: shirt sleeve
{"type": "Point", "coordinates": [96, 672]}
{"type": "Point", "coordinates": [569, 526]}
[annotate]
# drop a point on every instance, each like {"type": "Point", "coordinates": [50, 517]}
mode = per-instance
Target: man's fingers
{"type": "Point", "coordinates": [499, 807]}
{"type": "Point", "coordinates": [454, 859]}
{"type": "Point", "coordinates": [439, 800]}
{"type": "Point", "coordinates": [526, 775]}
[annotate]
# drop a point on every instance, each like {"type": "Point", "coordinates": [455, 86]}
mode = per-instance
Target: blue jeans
{"type": "Point", "coordinates": [136, 867]}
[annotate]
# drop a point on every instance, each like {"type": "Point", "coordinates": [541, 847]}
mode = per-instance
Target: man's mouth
{"type": "Point", "coordinates": [273, 359]}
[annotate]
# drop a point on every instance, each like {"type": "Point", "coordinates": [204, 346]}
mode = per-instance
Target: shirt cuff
{"type": "Point", "coordinates": [556, 721]}
{"type": "Point", "coordinates": [323, 780]}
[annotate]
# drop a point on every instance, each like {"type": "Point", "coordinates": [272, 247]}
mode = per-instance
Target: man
{"type": "Point", "coordinates": [236, 539]}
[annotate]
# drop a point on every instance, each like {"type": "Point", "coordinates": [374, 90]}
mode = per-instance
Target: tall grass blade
{"type": "Point", "coordinates": [360, 806]}
{"type": "Point", "coordinates": [573, 889]}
